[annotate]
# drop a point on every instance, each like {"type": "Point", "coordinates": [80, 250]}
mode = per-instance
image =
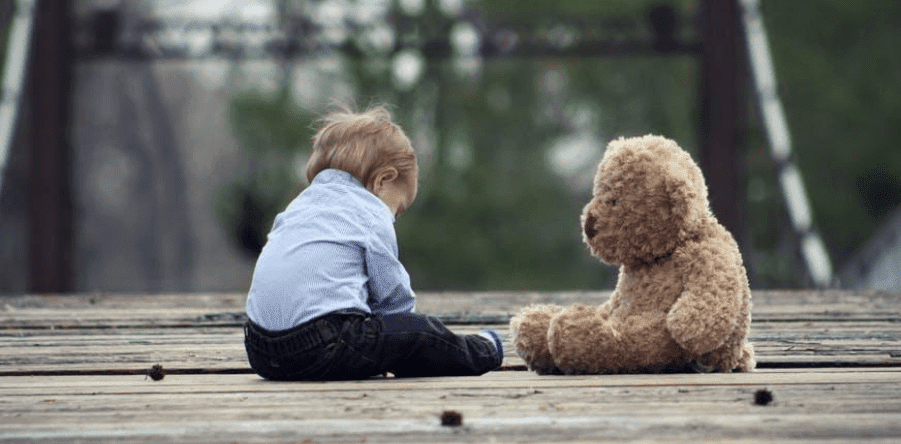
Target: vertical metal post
{"type": "Point", "coordinates": [812, 247]}
{"type": "Point", "coordinates": [49, 189]}
{"type": "Point", "coordinates": [723, 105]}
{"type": "Point", "coordinates": [21, 16]}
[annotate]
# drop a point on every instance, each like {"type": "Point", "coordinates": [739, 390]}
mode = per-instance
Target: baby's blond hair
{"type": "Point", "coordinates": [362, 143]}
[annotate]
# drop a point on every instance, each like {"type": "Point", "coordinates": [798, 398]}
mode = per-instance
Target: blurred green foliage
{"type": "Point", "coordinates": [7, 14]}
{"type": "Point", "coordinates": [269, 129]}
{"type": "Point", "coordinates": [841, 82]}
{"type": "Point", "coordinates": [492, 214]}
{"type": "Point", "coordinates": [626, 9]}
{"type": "Point", "coordinates": [839, 78]}
{"type": "Point", "coordinates": [504, 219]}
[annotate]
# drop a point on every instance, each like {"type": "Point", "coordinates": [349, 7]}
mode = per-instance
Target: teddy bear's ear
{"type": "Point", "coordinates": [678, 192]}
{"type": "Point", "coordinates": [685, 200]}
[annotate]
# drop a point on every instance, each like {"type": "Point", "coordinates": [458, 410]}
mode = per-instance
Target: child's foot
{"type": "Point", "coordinates": [498, 343]}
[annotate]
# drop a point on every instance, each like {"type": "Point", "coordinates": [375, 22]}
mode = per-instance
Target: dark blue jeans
{"type": "Point", "coordinates": [350, 345]}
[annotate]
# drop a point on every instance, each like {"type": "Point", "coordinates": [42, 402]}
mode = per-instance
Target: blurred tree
{"type": "Point", "coordinates": [508, 146]}
{"type": "Point", "coordinates": [7, 11]}
{"type": "Point", "coordinates": [271, 129]}
{"type": "Point", "coordinates": [493, 211]}
{"type": "Point", "coordinates": [840, 80]}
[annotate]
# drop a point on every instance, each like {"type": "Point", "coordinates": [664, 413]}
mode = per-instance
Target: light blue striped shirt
{"type": "Point", "coordinates": [333, 248]}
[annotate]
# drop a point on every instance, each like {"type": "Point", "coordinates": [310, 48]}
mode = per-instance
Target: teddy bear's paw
{"type": "Point", "coordinates": [746, 363]}
{"type": "Point", "coordinates": [529, 332]}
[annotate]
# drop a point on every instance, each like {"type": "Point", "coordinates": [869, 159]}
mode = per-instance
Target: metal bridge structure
{"type": "Point", "coordinates": [726, 37]}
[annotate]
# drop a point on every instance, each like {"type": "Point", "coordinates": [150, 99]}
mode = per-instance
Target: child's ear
{"type": "Point", "coordinates": [383, 178]}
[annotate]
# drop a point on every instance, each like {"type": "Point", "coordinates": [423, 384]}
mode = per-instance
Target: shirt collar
{"type": "Point", "coordinates": [332, 175]}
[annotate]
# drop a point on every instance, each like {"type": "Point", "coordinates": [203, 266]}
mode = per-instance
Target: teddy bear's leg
{"type": "Point", "coordinates": [585, 340]}
{"type": "Point", "coordinates": [747, 362]}
{"type": "Point", "coordinates": [737, 354]}
{"type": "Point", "coordinates": [529, 329]}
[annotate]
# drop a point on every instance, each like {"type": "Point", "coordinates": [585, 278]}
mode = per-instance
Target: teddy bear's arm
{"type": "Point", "coordinates": [707, 311]}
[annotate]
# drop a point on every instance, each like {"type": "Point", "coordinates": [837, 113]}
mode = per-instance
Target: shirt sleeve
{"type": "Point", "coordinates": [389, 284]}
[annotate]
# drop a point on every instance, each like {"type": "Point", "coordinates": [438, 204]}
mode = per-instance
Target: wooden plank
{"type": "Point", "coordinates": [124, 353]}
{"type": "Point", "coordinates": [59, 319]}
{"type": "Point", "coordinates": [221, 349]}
{"type": "Point", "coordinates": [863, 406]}
{"type": "Point", "coordinates": [180, 306]}
{"type": "Point", "coordinates": [842, 339]}
{"type": "Point", "coordinates": [674, 428]}
{"type": "Point", "coordinates": [806, 344]}
{"type": "Point", "coordinates": [126, 301]}
{"type": "Point", "coordinates": [212, 384]}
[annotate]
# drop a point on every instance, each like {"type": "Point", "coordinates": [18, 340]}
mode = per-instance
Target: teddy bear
{"type": "Point", "coordinates": [682, 301]}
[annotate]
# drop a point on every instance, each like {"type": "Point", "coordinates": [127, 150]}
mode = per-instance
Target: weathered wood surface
{"type": "Point", "coordinates": [133, 310]}
{"type": "Point", "coordinates": [195, 333]}
{"type": "Point", "coordinates": [72, 369]}
{"type": "Point", "coordinates": [822, 405]}
{"type": "Point", "coordinates": [221, 349]}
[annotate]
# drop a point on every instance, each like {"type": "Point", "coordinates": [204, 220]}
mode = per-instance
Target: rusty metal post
{"type": "Point", "coordinates": [49, 182]}
{"type": "Point", "coordinates": [723, 111]}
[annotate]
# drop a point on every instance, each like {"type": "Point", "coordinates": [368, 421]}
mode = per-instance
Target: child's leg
{"type": "Point", "coordinates": [356, 346]}
{"type": "Point", "coordinates": [285, 355]}
{"type": "Point", "coordinates": [326, 348]}
{"type": "Point", "coordinates": [413, 344]}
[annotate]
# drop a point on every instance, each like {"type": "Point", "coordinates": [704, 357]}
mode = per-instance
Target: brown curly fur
{"type": "Point", "coordinates": [682, 300]}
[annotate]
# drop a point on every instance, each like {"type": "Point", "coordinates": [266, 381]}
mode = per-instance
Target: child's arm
{"type": "Point", "coordinates": [389, 284]}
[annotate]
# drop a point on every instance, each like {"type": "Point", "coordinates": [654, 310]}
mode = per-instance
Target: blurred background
{"type": "Point", "coordinates": [146, 145]}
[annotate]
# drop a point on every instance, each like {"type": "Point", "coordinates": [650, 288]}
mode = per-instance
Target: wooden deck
{"type": "Point", "coordinates": [74, 369]}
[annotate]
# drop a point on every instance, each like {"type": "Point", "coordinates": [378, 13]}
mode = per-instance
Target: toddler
{"type": "Point", "coordinates": [329, 298]}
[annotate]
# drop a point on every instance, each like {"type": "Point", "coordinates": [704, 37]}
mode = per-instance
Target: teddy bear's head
{"type": "Point", "coordinates": [649, 197]}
